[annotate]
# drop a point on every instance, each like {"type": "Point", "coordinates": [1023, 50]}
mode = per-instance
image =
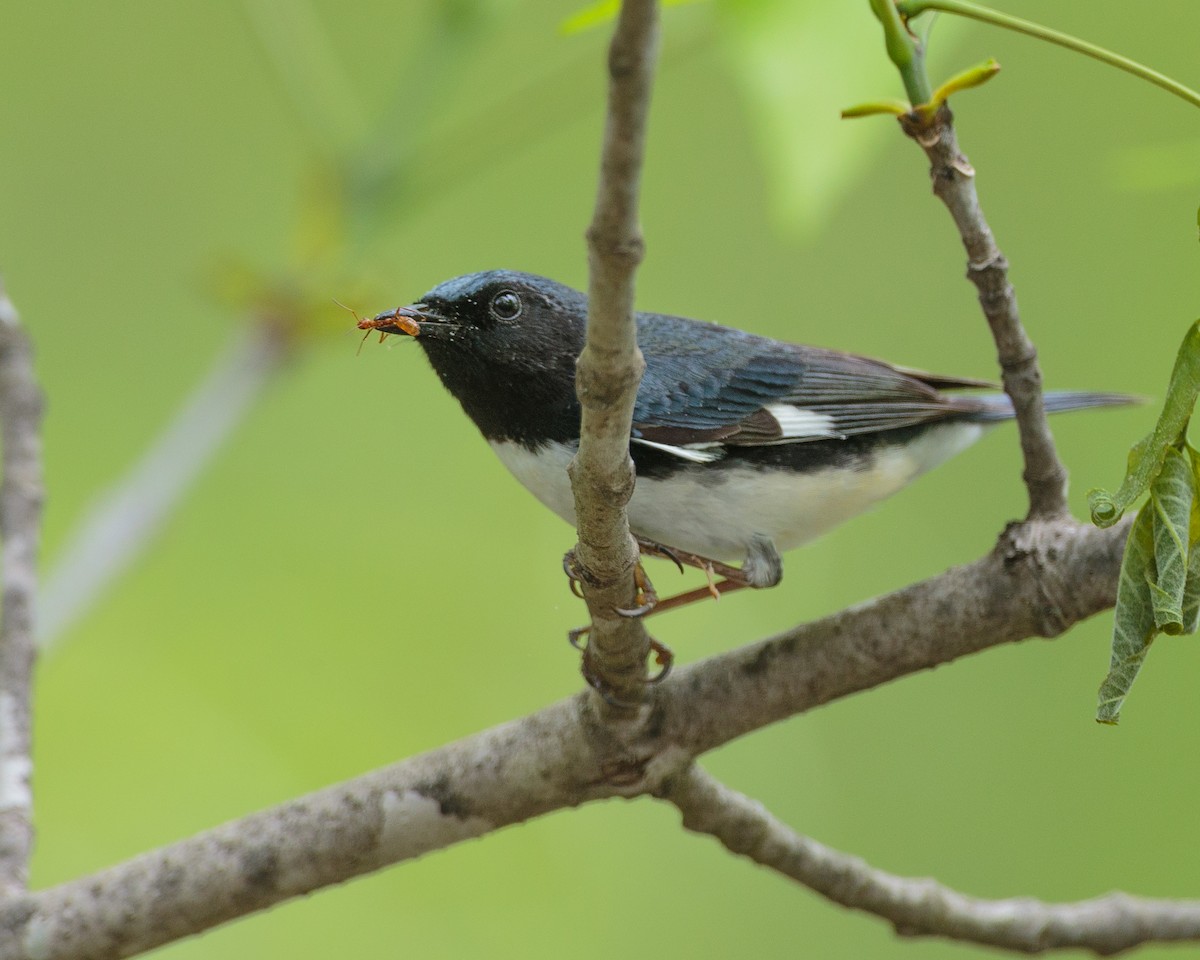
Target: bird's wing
{"type": "Point", "coordinates": [708, 387]}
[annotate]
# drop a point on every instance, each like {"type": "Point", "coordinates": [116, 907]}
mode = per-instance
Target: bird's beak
{"type": "Point", "coordinates": [416, 320]}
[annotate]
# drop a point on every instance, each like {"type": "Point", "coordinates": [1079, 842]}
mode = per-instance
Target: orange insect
{"type": "Point", "coordinates": [392, 321]}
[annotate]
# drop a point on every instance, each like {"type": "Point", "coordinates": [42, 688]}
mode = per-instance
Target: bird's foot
{"type": "Point", "coordinates": [662, 656]}
{"type": "Point", "coordinates": [665, 659]}
{"type": "Point", "coordinates": [762, 568]}
{"type": "Point", "coordinates": [573, 572]}
{"type": "Point", "coordinates": [645, 599]}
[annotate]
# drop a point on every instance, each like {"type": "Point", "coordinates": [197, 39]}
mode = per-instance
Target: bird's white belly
{"type": "Point", "coordinates": [715, 511]}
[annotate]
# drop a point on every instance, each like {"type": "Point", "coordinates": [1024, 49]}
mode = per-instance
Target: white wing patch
{"type": "Point", "coordinates": [798, 423]}
{"type": "Point", "coordinates": [693, 453]}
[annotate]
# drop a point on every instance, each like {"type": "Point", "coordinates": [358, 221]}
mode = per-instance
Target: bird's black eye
{"type": "Point", "coordinates": [506, 305]}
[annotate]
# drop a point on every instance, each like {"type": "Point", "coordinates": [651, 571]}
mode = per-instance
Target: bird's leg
{"type": "Point", "coordinates": [718, 589]}
{"type": "Point", "coordinates": [762, 568]}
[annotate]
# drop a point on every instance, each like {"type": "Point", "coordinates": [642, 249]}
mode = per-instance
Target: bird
{"type": "Point", "coordinates": [744, 447]}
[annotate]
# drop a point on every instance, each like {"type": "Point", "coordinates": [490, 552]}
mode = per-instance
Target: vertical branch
{"type": "Point", "coordinates": [954, 184]}
{"type": "Point", "coordinates": [21, 494]}
{"type": "Point", "coordinates": [610, 366]}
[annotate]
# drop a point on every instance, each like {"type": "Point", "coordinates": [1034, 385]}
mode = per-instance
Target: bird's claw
{"type": "Point", "coordinates": [645, 593]}
{"type": "Point", "coordinates": [664, 658]}
{"type": "Point", "coordinates": [669, 554]}
{"type": "Point", "coordinates": [571, 569]}
{"type": "Point", "coordinates": [646, 596]}
{"type": "Point", "coordinates": [606, 693]}
{"type": "Point", "coordinates": [649, 599]}
{"type": "Point", "coordinates": [656, 549]}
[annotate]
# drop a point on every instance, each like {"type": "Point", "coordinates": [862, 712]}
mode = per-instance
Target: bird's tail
{"type": "Point", "coordinates": [997, 406]}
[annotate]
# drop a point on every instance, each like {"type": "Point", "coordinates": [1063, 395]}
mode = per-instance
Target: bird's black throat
{"type": "Point", "coordinates": [524, 397]}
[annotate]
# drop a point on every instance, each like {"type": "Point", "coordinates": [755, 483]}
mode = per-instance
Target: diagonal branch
{"type": "Point", "coordinates": [561, 756]}
{"type": "Point", "coordinates": [954, 184]}
{"type": "Point", "coordinates": [463, 790]}
{"type": "Point", "coordinates": [21, 494]}
{"type": "Point", "coordinates": [610, 367]}
{"type": "Point", "coordinates": [918, 906]}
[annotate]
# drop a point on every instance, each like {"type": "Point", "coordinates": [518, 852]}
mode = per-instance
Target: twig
{"type": "Point", "coordinates": [921, 907]}
{"type": "Point", "coordinates": [128, 516]}
{"type": "Point", "coordinates": [560, 757]}
{"type": "Point", "coordinates": [21, 494]}
{"type": "Point", "coordinates": [610, 366]}
{"type": "Point", "coordinates": [954, 184]}
{"type": "Point", "coordinates": [911, 9]}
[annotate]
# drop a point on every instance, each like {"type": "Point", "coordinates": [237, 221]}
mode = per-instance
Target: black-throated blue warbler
{"type": "Point", "coordinates": [744, 446]}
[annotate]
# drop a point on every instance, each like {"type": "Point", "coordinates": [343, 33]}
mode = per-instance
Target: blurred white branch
{"type": "Point", "coordinates": [21, 495]}
{"type": "Point", "coordinates": [125, 518]}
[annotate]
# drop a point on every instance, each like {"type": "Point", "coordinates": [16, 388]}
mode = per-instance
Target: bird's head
{"type": "Point", "coordinates": [504, 343]}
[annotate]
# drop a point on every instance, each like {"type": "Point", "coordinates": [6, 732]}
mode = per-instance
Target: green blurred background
{"type": "Point", "coordinates": [355, 579]}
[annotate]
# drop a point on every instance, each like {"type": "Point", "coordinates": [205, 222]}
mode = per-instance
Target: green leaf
{"type": "Point", "coordinates": [875, 108]}
{"type": "Point", "coordinates": [1147, 455]}
{"type": "Point", "coordinates": [1191, 588]}
{"type": "Point", "coordinates": [1171, 500]}
{"type": "Point", "coordinates": [1133, 621]}
{"type": "Point", "coordinates": [975, 76]}
{"type": "Point", "coordinates": [590, 16]}
{"type": "Point", "coordinates": [599, 13]}
{"type": "Point", "coordinates": [1191, 594]}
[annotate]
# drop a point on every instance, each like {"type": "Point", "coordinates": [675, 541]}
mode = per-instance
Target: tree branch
{"type": "Point", "coordinates": [21, 493]}
{"type": "Point", "coordinates": [1042, 577]}
{"type": "Point", "coordinates": [563, 756]}
{"type": "Point", "coordinates": [463, 790]}
{"type": "Point", "coordinates": [919, 907]}
{"type": "Point", "coordinates": [610, 368]}
{"type": "Point", "coordinates": [954, 184]}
